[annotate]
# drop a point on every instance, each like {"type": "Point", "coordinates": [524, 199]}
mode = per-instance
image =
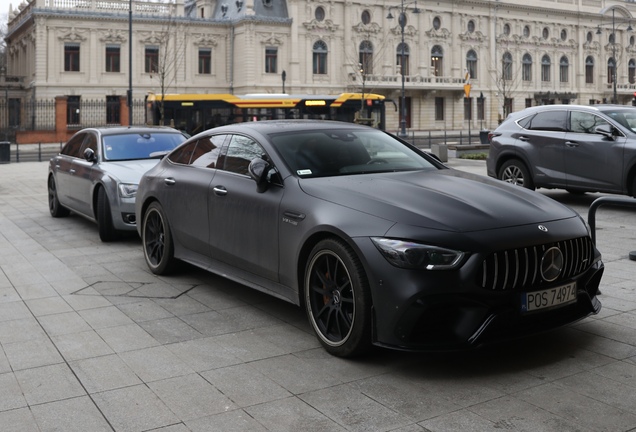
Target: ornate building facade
{"type": "Point", "coordinates": [512, 53]}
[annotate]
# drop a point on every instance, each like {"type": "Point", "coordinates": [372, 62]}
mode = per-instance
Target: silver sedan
{"type": "Point", "coordinates": [97, 172]}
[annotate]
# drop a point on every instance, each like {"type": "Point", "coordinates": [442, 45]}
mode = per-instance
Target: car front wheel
{"type": "Point", "coordinates": [107, 232]}
{"type": "Point", "coordinates": [57, 210]}
{"type": "Point", "coordinates": [337, 299]}
{"type": "Point", "coordinates": [515, 172]}
{"type": "Point", "coordinates": [157, 240]}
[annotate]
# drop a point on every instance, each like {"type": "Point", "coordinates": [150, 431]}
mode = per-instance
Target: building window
{"type": "Point", "coordinates": [151, 57]}
{"type": "Point", "coordinates": [113, 113]}
{"type": "Point", "coordinates": [366, 17]}
{"type": "Point", "coordinates": [631, 71]}
{"type": "Point", "coordinates": [366, 57]}
{"type": "Point", "coordinates": [481, 108]}
{"type": "Point", "coordinates": [526, 67]}
{"type": "Point", "coordinates": [564, 69]}
{"type": "Point", "coordinates": [319, 14]}
{"type": "Point", "coordinates": [589, 70]}
{"type": "Point", "coordinates": [320, 58]}
{"type": "Point", "coordinates": [611, 70]}
{"type": "Point", "coordinates": [528, 102]}
{"type": "Point", "coordinates": [402, 59]}
{"type": "Point", "coordinates": [564, 34]}
{"type": "Point", "coordinates": [468, 108]}
{"type": "Point", "coordinates": [73, 111]}
{"type": "Point", "coordinates": [471, 64]}
{"type": "Point", "coordinates": [526, 31]}
{"type": "Point", "coordinates": [112, 58]}
{"type": "Point", "coordinates": [437, 23]}
{"type": "Point", "coordinates": [437, 61]}
{"type": "Point", "coordinates": [506, 70]}
{"type": "Point", "coordinates": [471, 26]}
{"type": "Point", "coordinates": [71, 57]}
{"type": "Point", "coordinates": [507, 107]}
{"type": "Point", "coordinates": [545, 68]}
{"type": "Point", "coordinates": [271, 60]}
{"type": "Point", "coordinates": [506, 29]}
{"type": "Point", "coordinates": [439, 109]}
{"type": "Point", "coordinates": [546, 33]}
{"type": "Point", "coordinates": [205, 61]}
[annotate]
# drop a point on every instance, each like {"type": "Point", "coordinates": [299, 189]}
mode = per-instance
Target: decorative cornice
{"type": "Point", "coordinates": [113, 36]}
{"type": "Point", "coordinates": [327, 25]}
{"type": "Point", "coordinates": [409, 30]}
{"type": "Point", "coordinates": [271, 39]}
{"type": "Point", "coordinates": [475, 36]}
{"type": "Point", "coordinates": [440, 34]}
{"type": "Point", "coordinates": [72, 35]}
{"type": "Point", "coordinates": [372, 28]}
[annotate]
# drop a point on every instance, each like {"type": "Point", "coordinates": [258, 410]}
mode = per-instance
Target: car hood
{"type": "Point", "coordinates": [445, 200]}
{"type": "Point", "coordinates": [128, 171]}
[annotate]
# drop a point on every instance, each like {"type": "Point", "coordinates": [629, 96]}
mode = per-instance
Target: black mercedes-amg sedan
{"type": "Point", "coordinates": [380, 242]}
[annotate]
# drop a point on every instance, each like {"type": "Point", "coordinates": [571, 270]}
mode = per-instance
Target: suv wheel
{"type": "Point", "coordinates": [515, 172]}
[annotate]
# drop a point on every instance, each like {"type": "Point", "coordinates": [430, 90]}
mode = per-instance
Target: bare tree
{"type": "Point", "coordinates": [171, 42]}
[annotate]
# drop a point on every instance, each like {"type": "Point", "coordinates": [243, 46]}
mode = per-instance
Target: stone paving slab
{"type": "Point", "coordinates": [90, 341]}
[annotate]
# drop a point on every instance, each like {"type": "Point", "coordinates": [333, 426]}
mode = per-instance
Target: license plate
{"type": "Point", "coordinates": [552, 297]}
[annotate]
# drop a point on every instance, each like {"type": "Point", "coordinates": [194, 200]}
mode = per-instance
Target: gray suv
{"type": "Point", "coordinates": [574, 147]}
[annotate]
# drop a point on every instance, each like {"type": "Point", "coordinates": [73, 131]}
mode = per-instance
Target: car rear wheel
{"type": "Point", "coordinates": [515, 172]}
{"type": "Point", "coordinates": [57, 210]}
{"type": "Point", "coordinates": [337, 299]}
{"type": "Point", "coordinates": [157, 240]}
{"type": "Point", "coordinates": [107, 232]}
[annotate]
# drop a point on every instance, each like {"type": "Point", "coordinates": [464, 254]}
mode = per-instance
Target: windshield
{"type": "Point", "coordinates": [626, 117]}
{"type": "Point", "coordinates": [139, 145]}
{"type": "Point", "coordinates": [330, 153]}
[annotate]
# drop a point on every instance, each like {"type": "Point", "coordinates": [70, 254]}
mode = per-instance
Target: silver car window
{"type": "Point", "coordinates": [584, 122]}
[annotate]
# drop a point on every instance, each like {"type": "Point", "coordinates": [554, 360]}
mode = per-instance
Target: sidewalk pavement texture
{"type": "Point", "coordinates": [91, 341]}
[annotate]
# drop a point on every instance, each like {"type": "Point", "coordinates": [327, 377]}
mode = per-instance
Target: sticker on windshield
{"type": "Point", "coordinates": [304, 172]}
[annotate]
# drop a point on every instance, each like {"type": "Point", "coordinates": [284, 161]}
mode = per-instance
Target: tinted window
{"type": "Point", "coordinates": [183, 154]}
{"type": "Point", "coordinates": [207, 151]}
{"type": "Point", "coordinates": [73, 147]}
{"type": "Point", "coordinates": [549, 121]}
{"type": "Point", "coordinates": [239, 154]}
{"type": "Point", "coordinates": [583, 122]}
{"type": "Point", "coordinates": [90, 143]}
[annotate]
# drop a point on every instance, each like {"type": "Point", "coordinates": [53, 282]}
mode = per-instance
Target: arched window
{"type": "Point", "coordinates": [589, 70]}
{"type": "Point", "coordinates": [631, 71]}
{"type": "Point", "coordinates": [437, 61]}
{"type": "Point", "coordinates": [526, 67]}
{"type": "Point", "coordinates": [320, 58]}
{"type": "Point", "coordinates": [611, 70]}
{"type": "Point", "coordinates": [402, 58]}
{"type": "Point", "coordinates": [564, 69]}
{"type": "Point", "coordinates": [506, 66]}
{"type": "Point", "coordinates": [366, 57]}
{"type": "Point", "coordinates": [546, 65]}
{"type": "Point", "coordinates": [471, 63]}
{"type": "Point", "coordinates": [506, 29]}
{"type": "Point", "coordinates": [526, 31]}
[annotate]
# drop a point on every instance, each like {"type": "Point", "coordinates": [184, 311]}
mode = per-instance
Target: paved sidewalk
{"type": "Point", "coordinates": [91, 341]}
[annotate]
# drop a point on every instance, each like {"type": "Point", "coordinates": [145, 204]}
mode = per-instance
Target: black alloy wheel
{"type": "Point", "coordinates": [107, 232]}
{"type": "Point", "coordinates": [157, 240]}
{"type": "Point", "coordinates": [57, 210]}
{"type": "Point", "coordinates": [337, 299]}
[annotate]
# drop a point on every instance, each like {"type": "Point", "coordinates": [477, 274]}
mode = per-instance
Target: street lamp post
{"type": "Point", "coordinates": [613, 42]}
{"type": "Point", "coordinates": [130, 68]}
{"type": "Point", "coordinates": [402, 23]}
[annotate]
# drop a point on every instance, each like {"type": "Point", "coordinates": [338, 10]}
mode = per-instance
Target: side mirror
{"type": "Point", "coordinates": [605, 130]}
{"type": "Point", "coordinates": [258, 170]}
{"type": "Point", "coordinates": [89, 155]}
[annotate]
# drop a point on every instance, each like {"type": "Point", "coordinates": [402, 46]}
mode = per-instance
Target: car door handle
{"type": "Point", "coordinates": [524, 138]}
{"type": "Point", "coordinates": [294, 215]}
{"type": "Point", "coordinates": [219, 190]}
{"type": "Point", "coordinates": [571, 144]}
{"type": "Point", "coordinates": [170, 181]}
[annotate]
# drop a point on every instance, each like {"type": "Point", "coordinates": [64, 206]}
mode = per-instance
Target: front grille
{"type": "Point", "coordinates": [519, 269]}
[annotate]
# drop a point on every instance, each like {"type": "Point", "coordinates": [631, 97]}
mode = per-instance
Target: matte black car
{"type": "Point", "coordinates": [573, 147]}
{"type": "Point", "coordinates": [380, 242]}
{"type": "Point", "coordinates": [97, 172]}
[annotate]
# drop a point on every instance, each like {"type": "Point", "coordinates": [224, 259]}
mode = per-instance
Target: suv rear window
{"type": "Point", "coordinates": [547, 121]}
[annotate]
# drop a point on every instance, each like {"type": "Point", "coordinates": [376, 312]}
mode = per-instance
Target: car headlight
{"type": "Point", "coordinates": [128, 190]}
{"type": "Point", "coordinates": [410, 255]}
